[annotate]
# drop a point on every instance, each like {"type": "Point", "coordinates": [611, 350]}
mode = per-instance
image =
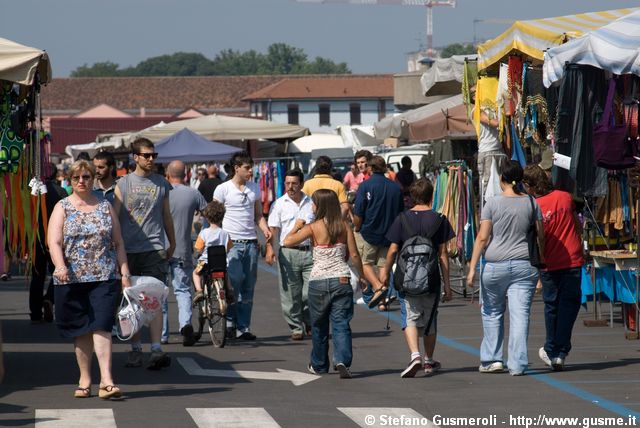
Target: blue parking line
{"type": "Point", "coordinates": [541, 377]}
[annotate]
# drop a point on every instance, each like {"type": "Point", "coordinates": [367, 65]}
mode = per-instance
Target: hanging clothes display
{"type": "Point", "coordinates": [269, 174]}
{"type": "Point", "coordinates": [454, 198]}
{"type": "Point", "coordinates": [469, 80]}
{"type": "Point", "coordinates": [614, 211]}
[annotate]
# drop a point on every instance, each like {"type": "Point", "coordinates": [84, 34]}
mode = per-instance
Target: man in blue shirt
{"type": "Point", "coordinates": [378, 203]}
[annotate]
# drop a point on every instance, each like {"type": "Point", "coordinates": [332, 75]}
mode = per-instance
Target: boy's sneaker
{"type": "Point", "coordinates": [544, 357]}
{"type": "Point", "coordinates": [414, 366]}
{"type": "Point", "coordinates": [557, 364]}
{"type": "Point", "coordinates": [343, 370]}
{"type": "Point", "coordinates": [496, 367]}
{"type": "Point", "coordinates": [158, 360]}
{"type": "Point", "coordinates": [431, 366]}
{"type": "Point", "coordinates": [134, 359]}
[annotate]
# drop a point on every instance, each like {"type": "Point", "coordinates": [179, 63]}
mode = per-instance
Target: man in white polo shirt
{"type": "Point", "coordinates": [241, 199]}
{"type": "Point", "coordinates": [294, 262]}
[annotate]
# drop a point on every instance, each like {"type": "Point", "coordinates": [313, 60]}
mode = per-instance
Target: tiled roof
{"type": "Point", "coordinates": [336, 86]}
{"type": "Point", "coordinates": [152, 93]}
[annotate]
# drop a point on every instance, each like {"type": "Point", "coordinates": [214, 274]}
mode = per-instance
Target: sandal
{"type": "Point", "coordinates": [378, 295]}
{"type": "Point", "coordinates": [81, 392]}
{"type": "Point", "coordinates": [109, 391]}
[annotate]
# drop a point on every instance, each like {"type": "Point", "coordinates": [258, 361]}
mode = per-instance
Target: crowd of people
{"type": "Point", "coordinates": [328, 239]}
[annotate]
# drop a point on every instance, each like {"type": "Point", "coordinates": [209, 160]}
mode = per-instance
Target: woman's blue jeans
{"type": "Point", "coordinates": [562, 297]}
{"type": "Point", "coordinates": [515, 280]}
{"type": "Point", "coordinates": [330, 300]}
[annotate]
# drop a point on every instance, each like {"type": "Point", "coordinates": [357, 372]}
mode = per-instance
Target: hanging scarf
{"type": "Point", "coordinates": [486, 94]}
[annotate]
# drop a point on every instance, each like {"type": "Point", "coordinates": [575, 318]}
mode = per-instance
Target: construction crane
{"type": "Point", "coordinates": [430, 4]}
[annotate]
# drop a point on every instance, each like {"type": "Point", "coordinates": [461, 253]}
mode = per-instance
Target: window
{"type": "Point", "coordinates": [293, 114]}
{"type": "Point", "coordinates": [325, 114]}
{"type": "Point", "coordinates": [382, 109]}
{"type": "Point", "coordinates": [354, 114]}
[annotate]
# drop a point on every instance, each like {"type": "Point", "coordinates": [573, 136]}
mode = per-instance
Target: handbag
{"type": "Point", "coordinates": [532, 240]}
{"type": "Point", "coordinates": [611, 149]}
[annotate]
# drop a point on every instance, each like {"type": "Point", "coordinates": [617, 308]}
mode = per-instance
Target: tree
{"type": "Point", "coordinates": [325, 66]}
{"type": "Point", "coordinates": [458, 49]}
{"type": "Point", "coordinates": [177, 64]}
{"type": "Point", "coordinates": [99, 69]}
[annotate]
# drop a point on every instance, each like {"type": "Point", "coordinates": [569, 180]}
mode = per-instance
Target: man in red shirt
{"type": "Point", "coordinates": [564, 259]}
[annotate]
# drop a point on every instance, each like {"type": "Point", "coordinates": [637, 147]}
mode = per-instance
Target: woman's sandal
{"type": "Point", "coordinates": [81, 392]}
{"type": "Point", "coordinates": [109, 391]}
{"type": "Point", "coordinates": [378, 295]}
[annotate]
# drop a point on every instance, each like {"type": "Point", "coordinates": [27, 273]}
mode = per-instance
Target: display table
{"type": "Point", "coordinates": [615, 277]}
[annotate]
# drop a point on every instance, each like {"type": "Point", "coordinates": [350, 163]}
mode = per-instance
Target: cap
{"type": "Point", "coordinates": [547, 160]}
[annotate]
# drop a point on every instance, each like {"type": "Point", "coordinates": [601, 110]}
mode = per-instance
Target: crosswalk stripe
{"type": "Point", "coordinates": [386, 416]}
{"type": "Point", "coordinates": [239, 417]}
{"type": "Point", "coordinates": [75, 418]}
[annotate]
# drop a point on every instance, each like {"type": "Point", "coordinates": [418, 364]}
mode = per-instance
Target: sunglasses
{"type": "Point", "coordinates": [148, 156]}
{"type": "Point", "coordinates": [84, 177]}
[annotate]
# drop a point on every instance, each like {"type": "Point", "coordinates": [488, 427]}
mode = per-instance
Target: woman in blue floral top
{"type": "Point", "coordinates": [90, 265]}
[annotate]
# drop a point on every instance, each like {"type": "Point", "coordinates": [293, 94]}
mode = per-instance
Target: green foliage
{"type": "Point", "coordinates": [458, 49]}
{"type": "Point", "coordinates": [279, 59]}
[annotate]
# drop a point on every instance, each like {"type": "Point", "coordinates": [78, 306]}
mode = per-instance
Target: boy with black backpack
{"type": "Point", "coordinates": [418, 237]}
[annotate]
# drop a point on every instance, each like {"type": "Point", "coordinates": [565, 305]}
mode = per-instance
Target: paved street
{"type": "Point", "coordinates": [265, 384]}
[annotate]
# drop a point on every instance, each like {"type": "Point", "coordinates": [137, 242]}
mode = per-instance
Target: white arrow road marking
{"type": "Point", "coordinates": [297, 378]}
{"type": "Point", "coordinates": [240, 417]}
{"type": "Point", "coordinates": [386, 416]}
{"type": "Point", "coordinates": [75, 418]}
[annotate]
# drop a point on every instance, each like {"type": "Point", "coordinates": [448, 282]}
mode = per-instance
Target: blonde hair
{"type": "Point", "coordinates": [81, 165]}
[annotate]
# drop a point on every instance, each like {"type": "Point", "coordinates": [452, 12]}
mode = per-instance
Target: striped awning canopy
{"type": "Point", "coordinates": [614, 47]}
{"type": "Point", "coordinates": [533, 37]}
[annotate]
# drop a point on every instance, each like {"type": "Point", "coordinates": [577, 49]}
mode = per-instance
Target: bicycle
{"type": "Point", "coordinates": [212, 309]}
{"type": "Point", "coordinates": [458, 269]}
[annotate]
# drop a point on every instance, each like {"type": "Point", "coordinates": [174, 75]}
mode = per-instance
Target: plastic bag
{"type": "Point", "coordinates": [493, 186]}
{"type": "Point", "coordinates": [140, 304]}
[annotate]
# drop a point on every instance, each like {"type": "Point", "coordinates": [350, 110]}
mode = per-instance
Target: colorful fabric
{"type": "Point", "coordinates": [486, 95]}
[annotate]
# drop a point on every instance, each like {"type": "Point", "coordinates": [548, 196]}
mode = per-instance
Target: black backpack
{"type": "Point", "coordinates": [417, 270]}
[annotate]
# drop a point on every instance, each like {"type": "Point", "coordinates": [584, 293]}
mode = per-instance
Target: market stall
{"type": "Point", "coordinates": [24, 150]}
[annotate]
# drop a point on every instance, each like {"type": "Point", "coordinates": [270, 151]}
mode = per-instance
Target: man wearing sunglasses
{"type": "Point", "coordinates": [142, 204]}
{"type": "Point", "coordinates": [242, 201]}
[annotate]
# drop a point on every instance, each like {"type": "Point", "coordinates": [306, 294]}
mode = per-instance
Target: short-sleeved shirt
{"type": "Point", "coordinates": [239, 219]}
{"type": "Point", "coordinates": [184, 202]}
{"type": "Point", "coordinates": [325, 181]}
{"type": "Point", "coordinates": [284, 213]}
{"type": "Point", "coordinates": [562, 244]}
{"type": "Point", "coordinates": [378, 203]}
{"type": "Point", "coordinates": [353, 181]}
{"type": "Point", "coordinates": [141, 216]}
{"type": "Point", "coordinates": [511, 218]}
{"type": "Point", "coordinates": [208, 186]}
{"type": "Point", "coordinates": [423, 223]}
{"type": "Point", "coordinates": [208, 237]}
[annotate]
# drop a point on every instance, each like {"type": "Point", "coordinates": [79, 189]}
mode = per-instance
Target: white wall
{"type": "Point", "coordinates": [309, 116]}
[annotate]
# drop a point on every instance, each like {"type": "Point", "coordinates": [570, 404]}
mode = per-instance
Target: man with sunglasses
{"type": "Point", "coordinates": [242, 201]}
{"type": "Point", "coordinates": [142, 204]}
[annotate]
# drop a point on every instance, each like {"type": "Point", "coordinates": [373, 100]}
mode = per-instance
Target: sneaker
{"type": "Point", "coordinates": [247, 335]}
{"type": "Point", "coordinates": [158, 360]}
{"type": "Point", "coordinates": [496, 367]}
{"type": "Point", "coordinates": [412, 368]}
{"type": "Point", "coordinates": [516, 373]}
{"type": "Point", "coordinates": [544, 357]}
{"type": "Point", "coordinates": [343, 370]}
{"type": "Point", "coordinates": [557, 364]}
{"type": "Point", "coordinates": [360, 301]}
{"type": "Point", "coordinates": [134, 359]}
{"type": "Point", "coordinates": [164, 341]}
{"type": "Point", "coordinates": [197, 297]}
{"type": "Point", "coordinates": [431, 367]}
{"type": "Point", "coordinates": [311, 369]}
{"type": "Point", "coordinates": [5, 277]}
{"type": "Point", "coordinates": [188, 339]}
{"type": "Point", "coordinates": [297, 336]}
{"type": "Point", "coordinates": [231, 333]}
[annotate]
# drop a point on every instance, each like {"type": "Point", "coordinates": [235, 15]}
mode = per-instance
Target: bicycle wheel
{"type": "Point", "coordinates": [217, 319]}
{"type": "Point", "coordinates": [202, 319]}
{"type": "Point", "coordinates": [458, 277]}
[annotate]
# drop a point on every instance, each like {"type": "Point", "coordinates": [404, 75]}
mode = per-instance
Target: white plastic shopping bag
{"type": "Point", "coordinates": [140, 304]}
{"type": "Point", "coordinates": [493, 186]}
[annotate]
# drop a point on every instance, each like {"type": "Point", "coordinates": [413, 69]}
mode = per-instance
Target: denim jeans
{"type": "Point", "coordinates": [562, 296]}
{"type": "Point", "coordinates": [295, 267]}
{"type": "Point", "coordinates": [181, 271]}
{"type": "Point", "coordinates": [242, 270]}
{"type": "Point", "coordinates": [330, 300]}
{"type": "Point", "coordinates": [515, 279]}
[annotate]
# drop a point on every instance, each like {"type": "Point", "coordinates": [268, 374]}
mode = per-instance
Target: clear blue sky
{"type": "Point", "coordinates": [370, 39]}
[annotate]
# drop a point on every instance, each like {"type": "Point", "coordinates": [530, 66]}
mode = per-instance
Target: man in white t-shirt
{"type": "Point", "coordinates": [295, 263]}
{"type": "Point", "coordinates": [241, 199]}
